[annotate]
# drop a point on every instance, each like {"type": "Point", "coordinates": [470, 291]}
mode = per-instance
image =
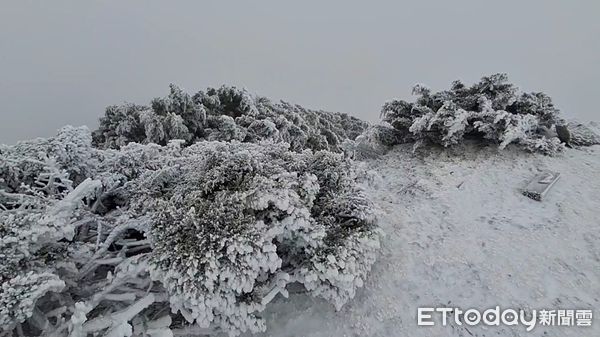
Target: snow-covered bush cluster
{"type": "Point", "coordinates": [491, 110]}
{"type": "Point", "coordinates": [188, 216]}
{"type": "Point", "coordinates": [224, 114]}
{"type": "Point", "coordinates": [163, 240]}
{"type": "Point", "coordinates": [40, 212]}
{"type": "Point", "coordinates": [374, 141]}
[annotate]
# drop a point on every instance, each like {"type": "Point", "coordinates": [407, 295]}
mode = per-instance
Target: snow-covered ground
{"type": "Point", "coordinates": [459, 233]}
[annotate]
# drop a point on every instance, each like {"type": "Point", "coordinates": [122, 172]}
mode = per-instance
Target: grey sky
{"type": "Point", "coordinates": [62, 62]}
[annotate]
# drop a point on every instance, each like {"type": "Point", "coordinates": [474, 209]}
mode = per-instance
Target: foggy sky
{"type": "Point", "coordinates": [63, 62]}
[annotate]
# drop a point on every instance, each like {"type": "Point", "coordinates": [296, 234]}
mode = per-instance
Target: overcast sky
{"type": "Point", "coordinates": [62, 62]}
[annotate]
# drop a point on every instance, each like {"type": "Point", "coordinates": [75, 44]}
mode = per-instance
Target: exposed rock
{"type": "Point", "coordinates": [584, 134]}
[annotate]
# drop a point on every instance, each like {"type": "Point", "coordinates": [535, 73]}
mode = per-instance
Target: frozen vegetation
{"type": "Point", "coordinates": [491, 110]}
{"type": "Point", "coordinates": [225, 213]}
{"type": "Point", "coordinates": [224, 114]}
{"type": "Point", "coordinates": [212, 231]}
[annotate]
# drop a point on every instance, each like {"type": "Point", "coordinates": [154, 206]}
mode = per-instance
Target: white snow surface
{"type": "Point", "coordinates": [459, 233]}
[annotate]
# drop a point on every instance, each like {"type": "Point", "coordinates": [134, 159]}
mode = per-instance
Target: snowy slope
{"type": "Point", "coordinates": [459, 233]}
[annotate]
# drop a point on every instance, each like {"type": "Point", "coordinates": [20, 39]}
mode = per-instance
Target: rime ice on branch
{"type": "Point", "coordinates": [224, 114]}
{"type": "Point", "coordinates": [491, 110]}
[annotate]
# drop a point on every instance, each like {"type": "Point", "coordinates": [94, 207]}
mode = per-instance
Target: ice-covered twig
{"type": "Point", "coordinates": [277, 287]}
{"type": "Point", "coordinates": [60, 215]}
{"type": "Point", "coordinates": [118, 318]}
{"type": "Point", "coordinates": [138, 224]}
{"type": "Point", "coordinates": [120, 297]}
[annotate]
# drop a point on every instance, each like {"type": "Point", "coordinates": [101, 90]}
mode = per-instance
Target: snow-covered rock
{"type": "Point", "coordinates": [584, 134]}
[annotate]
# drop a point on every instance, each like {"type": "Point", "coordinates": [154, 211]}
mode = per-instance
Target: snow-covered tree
{"type": "Point", "coordinates": [491, 110]}
{"type": "Point", "coordinates": [226, 113]}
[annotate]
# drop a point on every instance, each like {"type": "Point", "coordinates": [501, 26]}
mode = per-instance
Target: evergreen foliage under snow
{"type": "Point", "coordinates": [161, 240]}
{"type": "Point", "coordinates": [224, 114]}
{"type": "Point", "coordinates": [491, 110]}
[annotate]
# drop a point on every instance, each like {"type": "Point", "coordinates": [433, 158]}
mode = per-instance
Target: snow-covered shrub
{"type": "Point", "coordinates": [491, 110]}
{"type": "Point", "coordinates": [374, 141]}
{"type": "Point", "coordinates": [105, 242]}
{"type": "Point", "coordinates": [235, 223]}
{"type": "Point", "coordinates": [225, 114]}
{"type": "Point", "coordinates": [19, 295]}
{"type": "Point", "coordinates": [173, 117]}
{"type": "Point", "coordinates": [29, 164]}
{"type": "Point", "coordinates": [37, 226]}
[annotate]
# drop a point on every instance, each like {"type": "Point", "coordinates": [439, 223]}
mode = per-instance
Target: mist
{"type": "Point", "coordinates": [63, 62]}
